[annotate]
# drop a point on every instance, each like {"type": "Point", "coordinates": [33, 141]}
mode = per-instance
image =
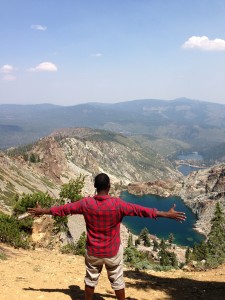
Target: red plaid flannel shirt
{"type": "Point", "coordinates": [103, 215]}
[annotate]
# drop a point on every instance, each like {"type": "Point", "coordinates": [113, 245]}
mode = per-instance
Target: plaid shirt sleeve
{"type": "Point", "coordinates": [130, 209]}
{"type": "Point", "coordinates": [68, 209]}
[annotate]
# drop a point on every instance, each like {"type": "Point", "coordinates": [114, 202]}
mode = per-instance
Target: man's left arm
{"type": "Point", "coordinates": [172, 214]}
{"type": "Point", "coordinates": [130, 209]}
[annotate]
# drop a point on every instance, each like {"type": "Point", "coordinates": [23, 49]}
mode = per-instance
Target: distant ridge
{"type": "Point", "coordinates": [199, 124]}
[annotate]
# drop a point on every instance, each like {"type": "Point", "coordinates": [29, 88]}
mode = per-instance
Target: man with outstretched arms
{"type": "Point", "coordinates": [103, 215]}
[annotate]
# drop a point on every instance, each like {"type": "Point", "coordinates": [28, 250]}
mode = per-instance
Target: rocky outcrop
{"type": "Point", "coordinates": [67, 153]}
{"type": "Point", "coordinates": [119, 156]}
{"type": "Point", "coordinates": [18, 177]}
{"type": "Point", "coordinates": [201, 191]}
{"type": "Point", "coordinates": [163, 188]}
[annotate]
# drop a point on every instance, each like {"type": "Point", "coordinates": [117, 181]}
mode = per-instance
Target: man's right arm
{"type": "Point", "coordinates": [39, 211]}
{"type": "Point", "coordinates": [61, 211]}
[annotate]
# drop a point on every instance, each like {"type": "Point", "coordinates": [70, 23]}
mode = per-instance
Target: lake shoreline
{"type": "Point", "coordinates": [187, 235]}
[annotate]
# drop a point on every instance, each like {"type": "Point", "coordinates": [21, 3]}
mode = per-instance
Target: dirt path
{"type": "Point", "coordinates": [43, 274]}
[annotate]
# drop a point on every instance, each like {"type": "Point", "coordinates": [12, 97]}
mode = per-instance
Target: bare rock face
{"type": "Point", "coordinates": [45, 235]}
{"type": "Point", "coordinates": [123, 159]}
{"type": "Point", "coordinates": [201, 191]}
{"type": "Point", "coordinates": [42, 231]}
{"type": "Point", "coordinates": [163, 188]}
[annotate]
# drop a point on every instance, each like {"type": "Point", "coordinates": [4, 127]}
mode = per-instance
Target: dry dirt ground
{"type": "Point", "coordinates": [43, 274]}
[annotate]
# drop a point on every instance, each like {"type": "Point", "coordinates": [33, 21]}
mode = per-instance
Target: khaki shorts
{"type": "Point", "coordinates": [114, 267]}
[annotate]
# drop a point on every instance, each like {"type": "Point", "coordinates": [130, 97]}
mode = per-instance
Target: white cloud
{"type": "Point", "coordinates": [6, 69]}
{"type": "Point", "coordinates": [44, 67]}
{"type": "Point", "coordinates": [204, 43]}
{"type": "Point", "coordinates": [9, 77]}
{"type": "Point", "coordinates": [97, 54]}
{"type": "Point", "coordinates": [38, 27]}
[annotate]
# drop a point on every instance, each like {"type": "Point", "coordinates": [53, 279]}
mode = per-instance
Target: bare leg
{"type": "Point", "coordinates": [89, 291]}
{"type": "Point", "coordinates": [120, 294]}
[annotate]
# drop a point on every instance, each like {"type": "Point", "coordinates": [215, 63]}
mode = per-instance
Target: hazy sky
{"type": "Point", "coordinates": [74, 51]}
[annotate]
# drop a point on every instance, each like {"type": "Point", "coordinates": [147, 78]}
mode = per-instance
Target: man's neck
{"type": "Point", "coordinates": [103, 193]}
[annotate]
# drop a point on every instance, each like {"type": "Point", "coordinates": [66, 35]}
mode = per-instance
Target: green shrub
{"type": "Point", "coordinates": [78, 248]}
{"type": "Point", "coordinates": [16, 233]}
{"type": "Point", "coordinates": [157, 267]}
{"type": "Point", "coordinates": [81, 244]}
{"type": "Point", "coordinates": [30, 200]}
{"type": "Point", "coordinates": [61, 224]}
{"type": "Point", "coordinates": [34, 158]}
{"type": "Point", "coordinates": [3, 256]}
{"type": "Point", "coordinates": [136, 259]}
{"type": "Point", "coordinates": [73, 190]}
{"type": "Point", "coordinates": [11, 232]}
{"type": "Point", "coordinates": [69, 249]}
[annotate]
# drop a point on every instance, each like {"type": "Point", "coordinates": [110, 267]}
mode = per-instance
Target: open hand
{"type": "Point", "coordinates": [37, 211]}
{"type": "Point", "coordinates": [178, 216]}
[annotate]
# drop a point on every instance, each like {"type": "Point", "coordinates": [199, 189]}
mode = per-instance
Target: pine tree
{"type": "Point", "coordinates": [144, 236]}
{"type": "Point", "coordinates": [167, 258]}
{"type": "Point", "coordinates": [171, 238]}
{"type": "Point", "coordinates": [155, 245]}
{"type": "Point", "coordinates": [164, 258]}
{"type": "Point", "coordinates": [216, 237]}
{"type": "Point", "coordinates": [200, 251]}
{"type": "Point", "coordinates": [137, 242]}
{"type": "Point", "coordinates": [188, 255]}
{"type": "Point", "coordinates": [173, 259]}
{"type": "Point", "coordinates": [130, 240]}
{"type": "Point", "coordinates": [213, 250]}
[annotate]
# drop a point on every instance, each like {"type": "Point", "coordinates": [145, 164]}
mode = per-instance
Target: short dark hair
{"type": "Point", "coordinates": [102, 182]}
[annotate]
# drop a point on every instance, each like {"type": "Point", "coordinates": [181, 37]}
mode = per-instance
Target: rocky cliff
{"type": "Point", "coordinates": [201, 190]}
{"type": "Point", "coordinates": [119, 156]}
{"type": "Point", "coordinates": [67, 153]}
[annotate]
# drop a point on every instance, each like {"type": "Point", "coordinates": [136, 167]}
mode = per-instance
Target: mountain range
{"type": "Point", "coordinates": [185, 123]}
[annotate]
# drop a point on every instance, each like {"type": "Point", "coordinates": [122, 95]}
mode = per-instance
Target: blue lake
{"type": "Point", "coordinates": [186, 170]}
{"type": "Point", "coordinates": [183, 232]}
{"type": "Point", "coordinates": [193, 156]}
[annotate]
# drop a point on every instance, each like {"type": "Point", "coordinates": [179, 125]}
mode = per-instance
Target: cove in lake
{"type": "Point", "coordinates": [183, 232]}
{"type": "Point", "coordinates": [185, 169]}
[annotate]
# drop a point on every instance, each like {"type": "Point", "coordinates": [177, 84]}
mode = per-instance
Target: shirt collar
{"type": "Point", "coordinates": [101, 198]}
